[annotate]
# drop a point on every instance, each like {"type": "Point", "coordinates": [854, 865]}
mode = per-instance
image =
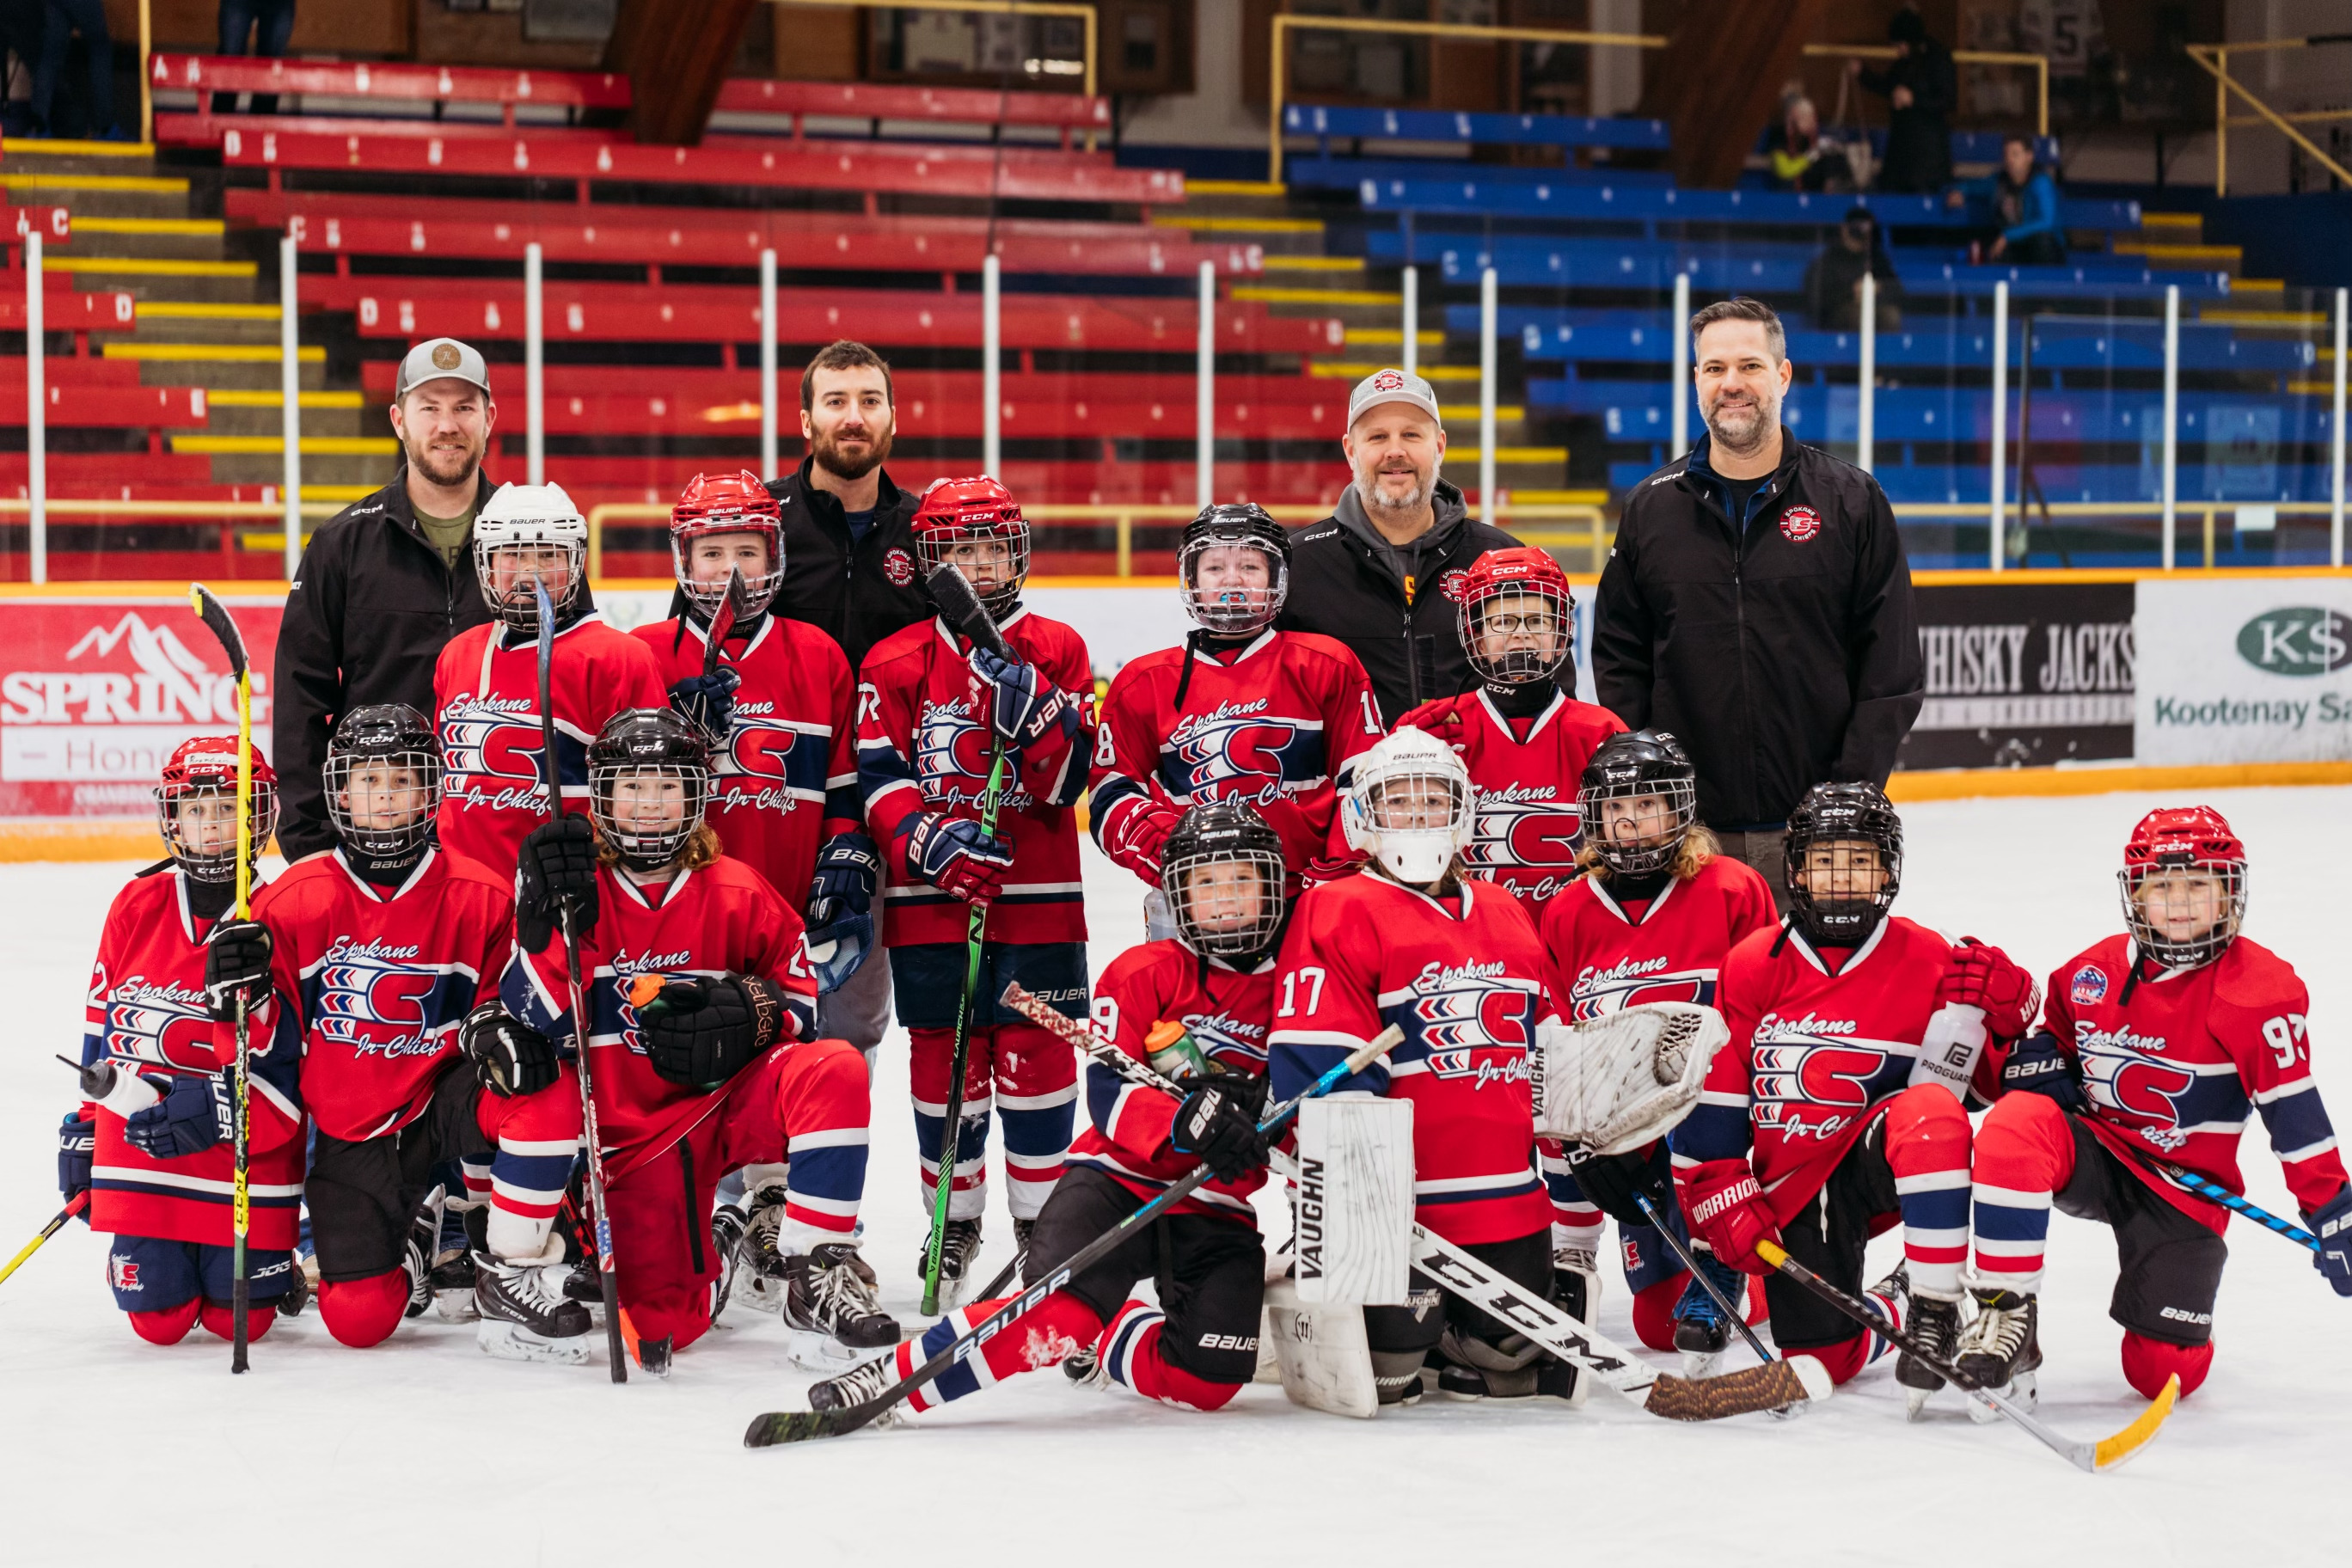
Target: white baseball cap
{"type": "Point", "coordinates": [439, 357]}
{"type": "Point", "coordinates": [1392, 386]}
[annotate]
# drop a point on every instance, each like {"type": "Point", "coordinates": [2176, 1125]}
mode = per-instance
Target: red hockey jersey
{"type": "Point", "coordinates": [1607, 956]}
{"type": "Point", "coordinates": [2175, 1064]}
{"type": "Point", "coordinates": [923, 746]}
{"type": "Point", "coordinates": [1464, 977]}
{"type": "Point", "coordinates": [1528, 826]}
{"type": "Point", "coordinates": [1813, 1053]}
{"type": "Point", "coordinates": [371, 985]}
{"type": "Point", "coordinates": [723, 918]}
{"type": "Point", "coordinates": [146, 1014]}
{"type": "Point", "coordinates": [786, 779]}
{"type": "Point", "coordinates": [486, 712]}
{"type": "Point", "coordinates": [1225, 1010]}
{"type": "Point", "coordinates": [1270, 723]}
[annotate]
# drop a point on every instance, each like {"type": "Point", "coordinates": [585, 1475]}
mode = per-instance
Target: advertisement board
{"type": "Point", "coordinates": [2024, 675]}
{"type": "Point", "coordinates": [2244, 669]}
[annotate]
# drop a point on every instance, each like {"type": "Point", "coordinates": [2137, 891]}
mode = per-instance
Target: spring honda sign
{"type": "Point", "coordinates": [2250, 669]}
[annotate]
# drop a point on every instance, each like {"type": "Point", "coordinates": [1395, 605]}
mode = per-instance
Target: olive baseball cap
{"type": "Point", "coordinates": [1391, 385]}
{"type": "Point", "coordinates": [440, 357]}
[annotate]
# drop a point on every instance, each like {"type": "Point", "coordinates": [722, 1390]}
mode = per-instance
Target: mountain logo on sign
{"type": "Point", "coordinates": [2299, 640]}
{"type": "Point", "coordinates": [168, 683]}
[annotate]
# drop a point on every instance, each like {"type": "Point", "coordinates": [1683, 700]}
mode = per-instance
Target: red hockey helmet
{"type": "Point", "coordinates": [714, 504]}
{"type": "Point", "coordinates": [1517, 601]}
{"type": "Point", "coordinates": [976, 526]}
{"type": "Point", "coordinates": [2174, 922]}
{"type": "Point", "coordinates": [204, 843]}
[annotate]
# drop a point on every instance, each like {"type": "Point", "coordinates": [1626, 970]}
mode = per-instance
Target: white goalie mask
{"type": "Point", "coordinates": [525, 533]}
{"type": "Point", "coordinates": [1408, 806]}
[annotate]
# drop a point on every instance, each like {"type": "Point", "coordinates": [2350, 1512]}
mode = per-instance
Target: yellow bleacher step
{"type": "Point", "coordinates": [202, 311]}
{"type": "Point", "coordinates": [2172, 220]}
{"type": "Point", "coordinates": [1559, 498]}
{"type": "Point", "coordinates": [1273, 294]}
{"type": "Point", "coordinates": [28, 147]}
{"type": "Point", "coordinates": [193, 227]}
{"type": "Point", "coordinates": [2258, 285]}
{"type": "Point", "coordinates": [1356, 370]}
{"type": "Point", "coordinates": [250, 397]}
{"type": "Point", "coordinates": [1208, 225]}
{"type": "Point", "coordinates": [1313, 264]}
{"type": "Point", "coordinates": [149, 267]}
{"type": "Point", "coordinates": [1235, 188]}
{"type": "Point", "coordinates": [1460, 455]}
{"type": "Point", "coordinates": [234, 353]}
{"type": "Point", "coordinates": [1467, 413]}
{"type": "Point", "coordinates": [1371, 337]}
{"type": "Point", "coordinates": [2228, 254]}
{"type": "Point", "coordinates": [273, 445]}
{"type": "Point", "coordinates": [19, 180]}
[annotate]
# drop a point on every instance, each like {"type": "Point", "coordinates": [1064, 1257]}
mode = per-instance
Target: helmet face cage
{"type": "Point", "coordinates": [214, 865]}
{"type": "Point", "coordinates": [1516, 607]}
{"type": "Point", "coordinates": [2177, 901]}
{"type": "Point", "coordinates": [939, 543]}
{"type": "Point", "coordinates": [1215, 920]}
{"type": "Point", "coordinates": [558, 559]}
{"type": "Point", "coordinates": [707, 595]}
{"type": "Point", "coordinates": [628, 801]}
{"type": "Point", "coordinates": [1649, 851]}
{"type": "Point", "coordinates": [1834, 814]}
{"type": "Point", "coordinates": [1409, 806]}
{"type": "Point", "coordinates": [375, 772]}
{"type": "Point", "coordinates": [1231, 609]}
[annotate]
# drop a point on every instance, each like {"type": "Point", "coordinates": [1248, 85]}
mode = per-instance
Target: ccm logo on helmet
{"type": "Point", "coordinates": [1799, 523]}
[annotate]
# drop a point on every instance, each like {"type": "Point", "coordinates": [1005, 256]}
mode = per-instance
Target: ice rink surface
{"type": "Point", "coordinates": [423, 1451]}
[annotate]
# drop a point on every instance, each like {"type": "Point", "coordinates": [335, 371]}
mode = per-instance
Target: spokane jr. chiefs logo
{"type": "Point", "coordinates": [491, 751]}
{"type": "Point", "coordinates": [373, 998]}
{"type": "Point", "coordinates": [951, 760]}
{"type": "Point", "coordinates": [770, 764]}
{"type": "Point", "coordinates": [1818, 1065]}
{"type": "Point", "coordinates": [1235, 751]}
{"type": "Point", "coordinates": [2124, 1071]}
{"type": "Point", "coordinates": [1472, 1019]}
{"type": "Point", "coordinates": [1520, 834]}
{"type": "Point", "coordinates": [1799, 523]}
{"type": "Point", "coordinates": [1599, 990]}
{"type": "Point", "coordinates": [898, 567]}
{"type": "Point", "coordinates": [1450, 584]}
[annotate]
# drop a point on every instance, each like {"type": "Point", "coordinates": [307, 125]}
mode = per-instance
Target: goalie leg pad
{"type": "Point", "coordinates": [1325, 1359]}
{"type": "Point", "coordinates": [1354, 1201]}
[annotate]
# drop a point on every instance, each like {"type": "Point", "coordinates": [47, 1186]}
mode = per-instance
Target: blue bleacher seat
{"type": "Point", "coordinates": [1486, 128]}
{"type": "Point", "coordinates": [1513, 193]}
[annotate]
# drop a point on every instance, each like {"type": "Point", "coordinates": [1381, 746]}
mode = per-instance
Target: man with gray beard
{"type": "Point", "coordinates": [1381, 573]}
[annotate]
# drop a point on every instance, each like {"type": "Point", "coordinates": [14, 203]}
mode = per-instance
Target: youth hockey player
{"type": "Point", "coordinates": [713, 1070]}
{"type": "Point", "coordinates": [156, 1154]}
{"type": "Point", "coordinates": [2156, 1044]}
{"type": "Point", "coordinates": [1241, 711]}
{"type": "Point", "coordinates": [1198, 1007]}
{"type": "Point", "coordinates": [1454, 962]}
{"type": "Point", "coordinates": [1811, 1131]}
{"type": "Point", "coordinates": [930, 704]}
{"type": "Point", "coordinates": [1650, 921]}
{"type": "Point", "coordinates": [377, 966]}
{"type": "Point", "coordinates": [486, 684]}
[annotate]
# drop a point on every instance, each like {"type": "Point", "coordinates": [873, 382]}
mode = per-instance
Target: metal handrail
{"type": "Point", "coordinates": [1085, 14]}
{"type": "Point", "coordinates": [2218, 66]}
{"type": "Point", "coordinates": [2040, 64]}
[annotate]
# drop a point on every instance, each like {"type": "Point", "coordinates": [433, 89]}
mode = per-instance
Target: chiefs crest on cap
{"type": "Point", "coordinates": [1389, 381]}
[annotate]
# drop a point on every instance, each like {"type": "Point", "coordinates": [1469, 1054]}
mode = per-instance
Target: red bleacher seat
{"type": "Point", "coordinates": [872, 100]}
{"type": "Point", "coordinates": [108, 406]}
{"type": "Point", "coordinates": [64, 310]}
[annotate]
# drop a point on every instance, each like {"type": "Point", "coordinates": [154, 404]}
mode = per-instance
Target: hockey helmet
{"type": "Point", "coordinates": [717, 504]}
{"type": "Point", "coordinates": [547, 539]}
{"type": "Point", "coordinates": [1408, 806]}
{"type": "Point", "coordinates": [1219, 916]}
{"type": "Point", "coordinates": [2196, 840]}
{"type": "Point", "coordinates": [1227, 603]}
{"type": "Point", "coordinates": [1517, 617]}
{"type": "Point", "coordinates": [1636, 766]}
{"type": "Point", "coordinates": [204, 769]}
{"type": "Point", "coordinates": [975, 526]}
{"type": "Point", "coordinates": [373, 809]}
{"type": "Point", "coordinates": [648, 782]}
{"type": "Point", "coordinates": [1830, 814]}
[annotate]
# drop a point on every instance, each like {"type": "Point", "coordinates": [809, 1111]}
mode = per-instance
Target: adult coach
{"type": "Point", "coordinates": [1377, 573]}
{"type": "Point", "coordinates": [385, 584]}
{"type": "Point", "coordinates": [1758, 603]}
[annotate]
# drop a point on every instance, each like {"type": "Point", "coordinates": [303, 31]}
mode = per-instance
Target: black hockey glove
{"type": "Point", "coordinates": [1613, 1181]}
{"type": "Point", "coordinates": [76, 1150]}
{"type": "Point", "coordinates": [708, 702]}
{"type": "Point", "coordinates": [509, 1055]}
{"type": "Point", "coordinates": [702, 1031]}
{"type": "Point", "coordinates": [1217, 1125]}
{"type": "Point", "coordinates": [237, 963]}
{"type": "Point", "coordinates": [2038, 1066]}
{"type": "Point", "coordinates": [196, 1112]}
{"type": "Point", "coordinates": [558, 868]}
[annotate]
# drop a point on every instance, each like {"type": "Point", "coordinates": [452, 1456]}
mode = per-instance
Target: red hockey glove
{"type": "Point", "coordinates": [1136, 832]}
{"type": "Point", "coordinates": [1986, 978]}
{"type": "Point", "coordinates": [1728, 1211]}
{"type": "Point", "coordinates": [1325, 869]}
{"type": "Point", "coordinates": [1446, 726]}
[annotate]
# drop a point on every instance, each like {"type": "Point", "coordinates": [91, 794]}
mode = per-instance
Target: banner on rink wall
{"type": "Point", "coordinates": [95, 693]}
{"type": "Point", "coordinates": [2245, 669]}
{"type": "Point", "coordinates": [2024, 675]}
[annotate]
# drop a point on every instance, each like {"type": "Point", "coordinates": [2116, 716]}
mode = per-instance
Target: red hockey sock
{"type": "Point", "coordinates": [1757, 1310]}
{"type": "Point", "coordinates": [219, 1321]}
{"type": "Point", "coordinates": [1654, 1311]}
{"type": "Point", "coordinates": [1045, 1335]}
{"type": "Point", "coordinates": [2147, 1363]}
{"type": "Point", "coordinates": [168, 1327]}
{"type": "Point", "coordinates": [363, 1312]}
{"type": "Point", "coordinates": [1130, 1353]}
{"type": "Point", "coordinates": [1844, 1358]}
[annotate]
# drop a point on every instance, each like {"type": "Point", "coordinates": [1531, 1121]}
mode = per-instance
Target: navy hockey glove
{"type": "Point", "coordinates": [237, 963]}
{"type": "Point", "coordinates": [558, 868]}
{"type": "Point", "coordinates": [76, 1149]}
{"type": "Point", "coordinates": [2038, 1066]}
{"type": "Point", "coordinates": [1217, 1125]}
{"type": "Point", "coordinates": [841, 908]}
{"type": "Point", "coordinates": [1024, 706]}
{"type": "Point", "coordinates": [703, 1031]}
{"type": "Point", "coordinates": [1612, 1181]}
{"type": "Point", "coordinates": [507, 1054]}
{"type": "Point", "coordinates": [196, 1112]}
{"type": "Point", "coordinates": [954, 854]}
{"type": "Point", "coordinates": [708, 702]}
{"type": "Point", "coordinates": [2332, 1222]}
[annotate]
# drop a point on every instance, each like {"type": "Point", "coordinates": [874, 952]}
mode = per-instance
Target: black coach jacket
{"type": "Point", "coordinates": [367, 615]}
{"type": "Point", "coordinates": [856, 592]}
{"type": "Point", "coordinates": [1784, 652]}
{"type": "Point", "coordinates": [1347, 582]}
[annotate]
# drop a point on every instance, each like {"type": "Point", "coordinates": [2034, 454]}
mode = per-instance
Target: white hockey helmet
{"type": "Point", "coordinates": [1408, 805]}
{"type": "Point", "coordinates": [539, 520]}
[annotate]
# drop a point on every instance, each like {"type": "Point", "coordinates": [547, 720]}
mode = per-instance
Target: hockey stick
{"type": "Point", "coordinates": [80, 1201]}
{"type": "Point", "coordinates": [799, 1426]}
{"type": "Point", "coordinates": [2206, 1187]}
{"type": "Point", "coordinates": [730, 610]}
{"type": "Point", "coordinates": [223, 625]}
{"type": "Point", "coordinates": [605, 1277]}
{"type": "Point", "coordinates": [1773, 1386]}
{"type": "Point", "coordinates": [962, 609]}
{"type": "Point", "coordinates": [2105, 1453]}
{"type": "Point", "coordinates": [1737, 1319]}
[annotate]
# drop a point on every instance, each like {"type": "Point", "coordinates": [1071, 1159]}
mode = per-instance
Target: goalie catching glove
{"type": "Point", "coordinates": [1617, 1082]}
{"type": "Point", "coordinates": [1217, 1125]}
{"type": "Point", "coordinates": [703, 1031]}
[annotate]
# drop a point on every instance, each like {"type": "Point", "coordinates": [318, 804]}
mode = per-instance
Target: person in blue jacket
{"type": "Point", "coordinates": [2024, 199]}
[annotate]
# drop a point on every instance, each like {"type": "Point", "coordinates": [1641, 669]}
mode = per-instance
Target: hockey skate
{"type": "Point", "coordinates": [2001, 1349]}
{"type": "Point", "coordinates": [424, 1245]}
{"type": "Point", "coordinates": [1934, 1321]}
{"type": "Point", "coordinates": [760, 1261]}
{"type": "Point", "coordinates": [829, 1312]}
{"type": "Point", "coordinates": [1576, 1281]}
{"type": "Point", "coordinates": [959, 1249]}
{"type": "Point", "coordinates": [856, 1387]}
{"type": "Point", "coordinates": [526, 1313]}
{"type": "Point", "coordinates": [584, 1287]}
{"type": "Point", "coordinates": [453, 1269]}
{"type": "Point", "coordinates": [1701, 1334]}
{"type": "Point", "coordinates": [728, 1225]}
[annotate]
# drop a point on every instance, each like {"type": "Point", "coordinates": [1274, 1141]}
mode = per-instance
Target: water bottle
{"type": "Point", "coordinates": [1955, 1038]}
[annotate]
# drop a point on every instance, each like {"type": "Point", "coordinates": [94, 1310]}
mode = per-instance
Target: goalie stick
{"type": "Point", "coordinates": [799, 1426]}
{"type": "Point", "coordinates": [1771, 1386]}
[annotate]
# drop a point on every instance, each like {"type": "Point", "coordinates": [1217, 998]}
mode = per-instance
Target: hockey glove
{"type": "Point", "coordinates": [954, 854]}
{"type": "Point", "coordinates": [509, 1055]}
{"type": "Point", "coordinates": [196, 1112]}
{"type": "Point", "coordinates": [841, 908]}
{"type": "Point", "coordinates": [237, 963]}
{"type": "Point", "coordinates": [1023, 705]}
{"type": "Point", "coordinates": [1612, 1181]}
{"type": "Point", "coordinates": [1986, 978]}
{"type": "Point", "coordinates": [1217, 1125]}
{"type": "Point", "coordinates": [1136, 833]}
{"type": "Point", "coordinates": [2332, 1222]}
{"type": "Point", "coordinates": [1728, 1211]}
{"type": "Point", "coordinates": [2038, 1066]}
{"type": "Point", "coordinates": [708, 702]}
{"type": "Point", "coordinates": [702, 1031]}
{"type": "Point", "coordinates": [558, 868]}
{"type": "Point", "coordinates": [1325, 869]}
{"type": "Point", "coordinates": [77, 1150]}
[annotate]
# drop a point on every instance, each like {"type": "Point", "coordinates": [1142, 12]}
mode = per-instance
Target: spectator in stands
{"type": "Point", "coordinates": [1796, 157]}
{"type": "Point", "coordinates": [20, 36]}
{"type": "Point", "coordinates": [1374, 573]}
{"type": "Point", "coordinates": [1922, 88]}
{"type": "Point", "coordinates": [1833, 281]}
{"type": "Point", "coordinates": [1758, 603]}
{"type": "Point", "coordinates": [63, 19]}
{"type": "Point", "coordinates": [2024, 199]}
{"type": "Point", "coordinates": [268, 24]}
{"type": "Point", "coordinates": [385, 584]}
{"type": "Point", "coordinates": [850, 568]}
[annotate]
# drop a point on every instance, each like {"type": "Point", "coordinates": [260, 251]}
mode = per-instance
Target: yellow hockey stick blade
{"type": "Point", "coordinates": [2114, 1451]}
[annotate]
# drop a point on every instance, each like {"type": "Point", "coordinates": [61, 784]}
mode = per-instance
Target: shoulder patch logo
{"type": "Point", "coordinates": [2090, 988]}
{"type": "Point", "coordinates": [1800, 524]}
{"type": "Point", "coordinates": [1450, 584]}
{"type": "Point", "coordinates": [899, 566]}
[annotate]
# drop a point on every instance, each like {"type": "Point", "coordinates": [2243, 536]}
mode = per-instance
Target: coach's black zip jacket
{"type": "Point", "coordinates": [857, 593]}
{"type": "Point", "coordinates": [1784, 652]}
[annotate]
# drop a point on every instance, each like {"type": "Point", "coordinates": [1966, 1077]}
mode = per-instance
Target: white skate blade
{"type": "Point", "coordinates": [455, 1305]}
{"type": "Point", "coordinates": [2018, 1391]}
{"type": "Point", "coordinates": [1915, 1402]}
{"type": "Point", "coordinates": [512, 1341]}
{"type": "Point", "coordinates": [820, 1352]}
{"type": "Point", "coordinates": [757, 1291]}
{"type": "Point", "coordinates": [1698, 1364]}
